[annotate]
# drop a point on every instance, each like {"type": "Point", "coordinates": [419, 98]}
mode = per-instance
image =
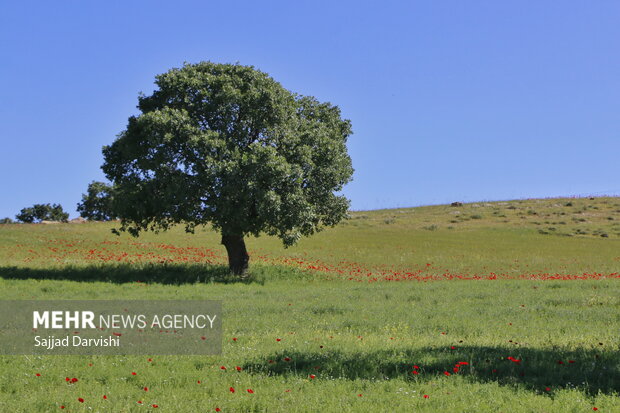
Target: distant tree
{"type": "Point", "coordinates": [6, 220]}
{"type": "Point", "coordinates": [96, 203]}
{"type": "Point", "coordinates": [42, 212]}
{"type": "Point", "coordinates": [227, 145]}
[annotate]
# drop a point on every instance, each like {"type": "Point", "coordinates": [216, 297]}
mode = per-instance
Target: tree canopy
{"type": "Point", "coordinates": [227, 145]}
{"type": "Point", "coordinates": [42, 212]}
{"type": "Point", "coordinates": [96, 204]}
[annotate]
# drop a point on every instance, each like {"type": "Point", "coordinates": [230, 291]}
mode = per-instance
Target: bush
{"type": "Point", "coordinates": [6, 220]}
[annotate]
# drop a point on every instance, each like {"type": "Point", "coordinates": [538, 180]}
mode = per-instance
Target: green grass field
{"type": "Point", "coordinates": [526, 293]}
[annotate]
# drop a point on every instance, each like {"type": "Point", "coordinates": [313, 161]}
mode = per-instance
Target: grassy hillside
{"type": "Point", "coordinates": [525, 318]}
{"type": "Point", "coordinates": [516, 238]}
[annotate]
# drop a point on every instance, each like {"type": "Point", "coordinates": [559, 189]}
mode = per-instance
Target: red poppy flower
{"type": "Point", "coordinates": [453, 348]}
{"type": "Point", "coordinates": [278, 339]}
{"type": "Point", "coordinates": [223, 368]}
{"type": "Point", "coordinates": [105, 397]}
{"type": "Point", "coordinates": [571, 361]}
{"type": "Point", "coordinates": [426, 396]}
{"type": "Point", "coordinates": [415, 372]}
{"type": "Point", "coordinates": [74, 380]}
{"type": "Point", "coordinates": [416, 367]}
{"type": "Point", "coordinates": [203, 338]}
{"type": "Point", "coordinates": [238, 368]}
{"type": "Point", "coordinates": [494, 370]}
{"type": "Point", "coordinates": [312, 376]}
{"type": "Point", "coordinates": [133, 373]}
{"type": "Point", "coordinates": [62, 407]}
{"type": "Point", "coordinates": [199, 381]}
{"type": "Point", "coordinates": [154, 406]}
{"type": "Point", "coordinates": [217, 409]}
{"type": "Point", "coordinates": [38, 374]}
{"type": "Point", "coordinates": [139, 401]}
{"type": "Point", "coordinates": [80, 400]}
{"type": "Point", "coordinates": [250, 391]}
{"type": "Point", "coordinates": [287, 359]}
{"type": "Point", "coordinates": [595, 408]}
{"type": "Point", "coordinates": [150, 360]}
{"type": "Point", "coordinates": [67, 379]}
{"type": "Point", "coordinates": [455, 369]}
{"type": "Point", "coordinates": [463, 363]}
{"type": "Point", "coordinates": [547, 388]}
{"type": "Point", "coordinates": [232, 389]}
{"type": "Point", "coordinates": [234, 338]}
{"type": "Point", "coordinates": [146, 389]}
{"type": "Point", "coordinates": [447, 373]}
{"type": "Point", "coordinates": [560, 362]}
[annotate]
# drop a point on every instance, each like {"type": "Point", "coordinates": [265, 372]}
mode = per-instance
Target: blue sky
{"type": "Point", "coordinates": [449, 100]}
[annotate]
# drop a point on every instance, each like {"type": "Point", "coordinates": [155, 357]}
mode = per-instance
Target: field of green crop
{"type": "Point", "coordinates": [500, 306]}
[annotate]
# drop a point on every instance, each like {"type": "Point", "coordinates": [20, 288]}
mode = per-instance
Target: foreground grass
{"type": "Point", "coordinates": [356, 339]}
{"type": "Point", "coordinates": [359, 340]}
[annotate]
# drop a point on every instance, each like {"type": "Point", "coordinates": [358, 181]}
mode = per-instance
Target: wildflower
{"type": "Point", "coordinates": [154, 406]}
{"type": "Point", "coordinates": [232, 389]}
{"type": "Point", "coordinates": [426, 396]}
{"type": "Point", "coordinates": [234, 339]}
{"type": "Point", "coordinates": [80, 400]}
{"type": "Point", "coordinates": [146, 389]}
{"type": "Point", "coordinates": [74, 380]}
{"type": "Point", "coordinates": [105, 397]}
{"type": "Point", "coordinates": [250, 391]}
{"type": "Point", "coordinates": [38, 374]}
{"type": "Point", "coordinates": [278, 339]}
{"type": "Point", "coordinates": [133, 373]}
{"type": "Point", "coordinates": [446, 373]}
{"type": "Point", "coordinates": [312, 376]}
{"type": "Point", "coordinates": [222, 368]}
{"type": "Point", "coordinates": [287, 359]}
{"type": "Point", "coordinates": [217, 409]}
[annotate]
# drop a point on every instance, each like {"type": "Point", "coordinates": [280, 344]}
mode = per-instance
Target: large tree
{"type": "Point", "coordinates": [227, 145]}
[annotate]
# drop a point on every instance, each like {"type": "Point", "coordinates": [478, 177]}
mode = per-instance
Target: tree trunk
{"type": "Point", "coordinates": [238, 258]}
